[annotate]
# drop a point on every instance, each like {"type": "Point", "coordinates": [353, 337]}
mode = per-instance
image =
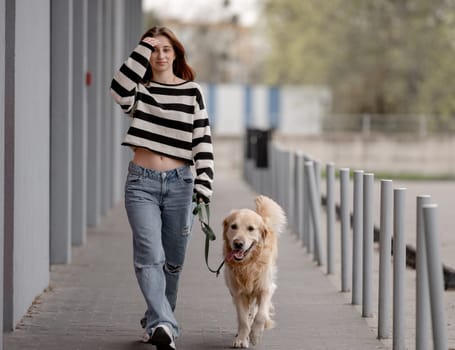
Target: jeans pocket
{"type": "Point", "coordinates": [131, 178]}
{"type": "Point", "coordinates": [188, 180]}
{"type": "Point", "coordinates": [186, 176]}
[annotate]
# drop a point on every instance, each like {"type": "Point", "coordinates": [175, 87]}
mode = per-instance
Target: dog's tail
{"type": "Point", "coordinates": [271, 212]}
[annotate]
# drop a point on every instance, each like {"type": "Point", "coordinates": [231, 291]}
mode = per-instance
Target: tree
{"type": "Point", "coordinates": [378, 56]}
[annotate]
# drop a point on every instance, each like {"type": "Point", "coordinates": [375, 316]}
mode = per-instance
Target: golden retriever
{"type": "Point", "coordinates": [250, 251]}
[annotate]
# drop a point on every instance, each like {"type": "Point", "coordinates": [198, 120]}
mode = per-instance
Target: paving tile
{"type": "Point", "coordinates": [95, 303]}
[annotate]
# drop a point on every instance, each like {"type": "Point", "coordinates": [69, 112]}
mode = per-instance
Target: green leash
{"type": "Point", "coordinates": [202, 210]}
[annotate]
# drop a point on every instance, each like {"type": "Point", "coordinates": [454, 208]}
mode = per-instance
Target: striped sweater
{"type": "Point", "coordinates": [167, 119]}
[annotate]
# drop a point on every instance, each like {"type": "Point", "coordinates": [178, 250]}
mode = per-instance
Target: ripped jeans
{"type": "Point", "coordinates": [159, 208]}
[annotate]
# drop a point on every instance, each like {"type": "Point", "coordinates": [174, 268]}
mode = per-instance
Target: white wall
{"type": "Point", "coordinates": [31, 183]}
{"type": "Point", "coordinates": [301, 109]}
{"type": "Point", "coordinates": [432, 155]}
{"type": "Point", "coordinates": [229, 109]}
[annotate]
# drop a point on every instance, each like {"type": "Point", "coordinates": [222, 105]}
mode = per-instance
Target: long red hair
{"type": "Point", "coordinates": [180, 67]}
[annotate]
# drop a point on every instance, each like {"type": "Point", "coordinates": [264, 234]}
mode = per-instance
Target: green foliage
{"type": "Point", "coordinates": [378, 56]}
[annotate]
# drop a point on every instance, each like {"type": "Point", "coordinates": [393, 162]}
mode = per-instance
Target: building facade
{"type": "Point", "coordinates": [60, 171]}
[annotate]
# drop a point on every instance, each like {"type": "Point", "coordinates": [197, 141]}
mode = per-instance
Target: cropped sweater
{"type": "Point", "coordinates": [167, 119]}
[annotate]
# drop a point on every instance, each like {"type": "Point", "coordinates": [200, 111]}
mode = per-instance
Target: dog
{"type": "Point", "coordinates": [250, 248]}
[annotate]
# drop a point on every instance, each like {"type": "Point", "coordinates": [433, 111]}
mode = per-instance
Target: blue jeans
{"type": "Point", "coordinates": [159, 208]}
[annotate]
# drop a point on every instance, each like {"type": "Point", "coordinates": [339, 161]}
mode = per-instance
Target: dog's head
{"type": "Point", "coordinates": [243, 230]}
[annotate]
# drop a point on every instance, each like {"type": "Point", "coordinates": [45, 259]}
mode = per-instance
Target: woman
{"type": "Point", "coordinates": [169, 132]}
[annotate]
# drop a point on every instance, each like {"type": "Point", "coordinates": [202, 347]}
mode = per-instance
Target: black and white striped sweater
{"type": "Point", "coordinates": [167, 119]}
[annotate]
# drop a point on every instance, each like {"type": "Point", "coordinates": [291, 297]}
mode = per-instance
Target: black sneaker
{"type": "Point", "coordinates": [162, 338]}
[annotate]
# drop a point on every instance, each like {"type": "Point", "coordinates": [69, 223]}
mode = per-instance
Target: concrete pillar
{"type": "Point", "coordinates": [2, 142]}
{"type": "Point", "coordinates": [26, 167]}
{"type": "Point", "coordinates": [61, 130]}
{"type": "Point", "coordinates": [8, 171]}
{"type": "Point", "coordinates": [94, 51]}
{"type": "Point", "coordinates": [120, 53]}
{"type": "Point", "coordinates": [79, 124]}
{"type": "Point", "coordinates": [108, 172]}
{"type": "Point", "coordinates": [126, 29]}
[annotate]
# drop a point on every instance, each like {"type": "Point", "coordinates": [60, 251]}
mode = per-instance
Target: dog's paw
{"type": "Point", "coordinates": [255, 337]}
{"type": "Point", "coordinates": [256, 334]}
{"type": "Point", "coordinates": [240, 343]}
{"type": "Point", "coordinates": [269, 323]}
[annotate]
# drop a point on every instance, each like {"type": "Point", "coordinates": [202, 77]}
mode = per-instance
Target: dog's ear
{"type": "Point", "coordinates": [226, 223]}
{"type": "Point", "coordinates": [225, 227]}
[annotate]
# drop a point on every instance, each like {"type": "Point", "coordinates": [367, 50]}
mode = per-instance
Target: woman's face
{"type": "Point", "coordinates": [163, 56]}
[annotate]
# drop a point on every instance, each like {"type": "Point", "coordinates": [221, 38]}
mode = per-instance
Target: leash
{"type": "Point", "coordinates": [202, 210]}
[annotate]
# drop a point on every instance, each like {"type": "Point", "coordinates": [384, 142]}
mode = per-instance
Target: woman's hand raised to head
{"type": "Point", "coordinates": [151, 41]}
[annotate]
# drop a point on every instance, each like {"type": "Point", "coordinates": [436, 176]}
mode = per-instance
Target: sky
{"type": "Point", "coordinates": [204, 9]}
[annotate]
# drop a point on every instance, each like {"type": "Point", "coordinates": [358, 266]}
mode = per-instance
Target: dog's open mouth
{"type": "Point", "coordinates": [239, 254]}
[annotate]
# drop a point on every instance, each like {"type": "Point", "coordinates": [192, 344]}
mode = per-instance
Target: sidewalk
{"type": "Point", "coordinates": [95, 303]}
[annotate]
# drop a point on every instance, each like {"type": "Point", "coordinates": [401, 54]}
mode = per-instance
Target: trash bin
{"type": "Point", "coordinates": [250, 143]}
{"type": "Point", "coordinates": [262, 148]}
{"type": "Point", "coordinates": [257, 146]}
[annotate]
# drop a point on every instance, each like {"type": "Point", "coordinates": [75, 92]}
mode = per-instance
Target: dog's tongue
{"type": "Point", "coordinates": [238, 254]}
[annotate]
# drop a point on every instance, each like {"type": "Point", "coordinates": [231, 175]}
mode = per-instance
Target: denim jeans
{"type": "Point", "coordinates": [159, 208]}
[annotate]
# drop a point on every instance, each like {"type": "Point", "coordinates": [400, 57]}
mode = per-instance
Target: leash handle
{"type": "Point", "coordinates": [202, 210]}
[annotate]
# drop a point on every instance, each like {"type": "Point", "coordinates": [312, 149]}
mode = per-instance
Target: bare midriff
{"type": "Point", "coordinates": [151, 160]}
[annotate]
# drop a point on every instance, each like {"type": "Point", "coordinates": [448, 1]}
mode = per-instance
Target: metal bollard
{"type": "Point", "coordinates": [368, 233]}
{"type": "Point", "coordinates": [295, 194]}
{"type": "Point", "coordinates": [357, 238]}
{"type": "Point", "coordinates": [435, 277]}
{"type": "Point", "coordinates": [300, 194]}
{"type": "Point", "coordinates": [314, 202]}
{"type": "Point", "coordinates": [273, 173]}
{"type": "Point", "coordinates": [317, 206]}
{"type": "Point", "coordinates": [289, 186]}
{"type": "Point", "coordinates": [307, 227]}
{"type": "Point", "coordinates": [399, 269]}
{"type": "Point", "coordinates": [385, 244]}
{"type": "Point", "coordinates": [280, 178]}
{"type": "Point", "coordinates": [423, 320]}
{"type": "Point", "coordinates": [345, 225]}
{"type": "Point", "coordinates": [330, 194]}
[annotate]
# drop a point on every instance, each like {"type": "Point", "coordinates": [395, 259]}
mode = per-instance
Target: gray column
{"type": "Point", "coordinates": [331, 216]}
{"type": "Point", "coordinates": [2, 142]}
{"type": "Point", "coordinates": [399, 270]}
{"type": "Point", "coordinates": [385, 243]}
{"type": "Point", "coordinates": [137, 22]}
{"type": "Point", "coordinates": [8, 219]}
{"type": "Point", "coordinates": [94, 113]}
{"type": "Point", "coordinates": [314, 201]}
{"type": "Point", "coordinates": [368, 248]}
{"type": "Point", "coordinates": [345, 232]}
{"type": "Point", "coordinates": [299, 194]}
{"type": "Point", "coordinates": [106, 117]}
{"type": "Point", "coordinates": [357, 238]}
{"type": "Point", "coordinates": [26, 251]}
{"type": "Point", "coordinates": [423, 314]}
{"type": "Point", "coordinates": [61, 133]}
{"type": "Point", "coordinates": [79, 124]}
{"type": "Point", "coordinates": [435, 277]}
